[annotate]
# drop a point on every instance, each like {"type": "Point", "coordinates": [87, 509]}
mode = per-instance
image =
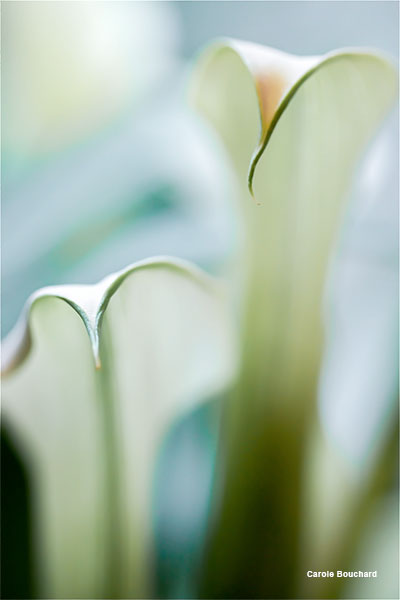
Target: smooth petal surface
{"type": "Point", "coordinates": [294, 128]}
{"type": "Point", "coordinates": [95, 376]}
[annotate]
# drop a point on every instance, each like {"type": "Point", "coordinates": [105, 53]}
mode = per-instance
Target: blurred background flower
{"type": "Point", "coordinates": [103, 164]}
{"type": "Point", "coordinates": [99, 148]}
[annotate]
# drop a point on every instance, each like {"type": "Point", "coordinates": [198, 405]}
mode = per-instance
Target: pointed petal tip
{"type": "Point", "coordinates": [96, 350]}
{"type": "Point", "coordinates": [250, 187]}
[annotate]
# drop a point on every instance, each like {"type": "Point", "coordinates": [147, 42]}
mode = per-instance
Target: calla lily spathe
{"type": "Point", "coordinates": [294, 128]}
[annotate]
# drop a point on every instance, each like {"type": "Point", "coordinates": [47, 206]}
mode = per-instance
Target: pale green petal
{"type": "Point", "coordinates": [294, 128]}
{"type": "Point", "coordinates": [160, 338]}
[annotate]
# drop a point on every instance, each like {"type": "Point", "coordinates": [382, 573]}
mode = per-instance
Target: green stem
{"type": "Point", "coordinates": [253, 552]}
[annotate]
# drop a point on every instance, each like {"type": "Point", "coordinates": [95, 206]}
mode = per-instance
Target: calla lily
{"type": "Point", "coordinates": [91, 93]}
{"type": "Point", "coordinates": [97, 373]}
{"type": "Point", "coordinates": [107, 216]}
{"type": "Point", "coordinates": [294, 128]}
{"type": "Point", "coordinates": [93, 377]}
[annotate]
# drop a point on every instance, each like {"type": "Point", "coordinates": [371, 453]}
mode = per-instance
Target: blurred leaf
{"type": "Point", "coordinates": [95, 376]}
{"type": "Point", "coordinates": [294, 128]}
